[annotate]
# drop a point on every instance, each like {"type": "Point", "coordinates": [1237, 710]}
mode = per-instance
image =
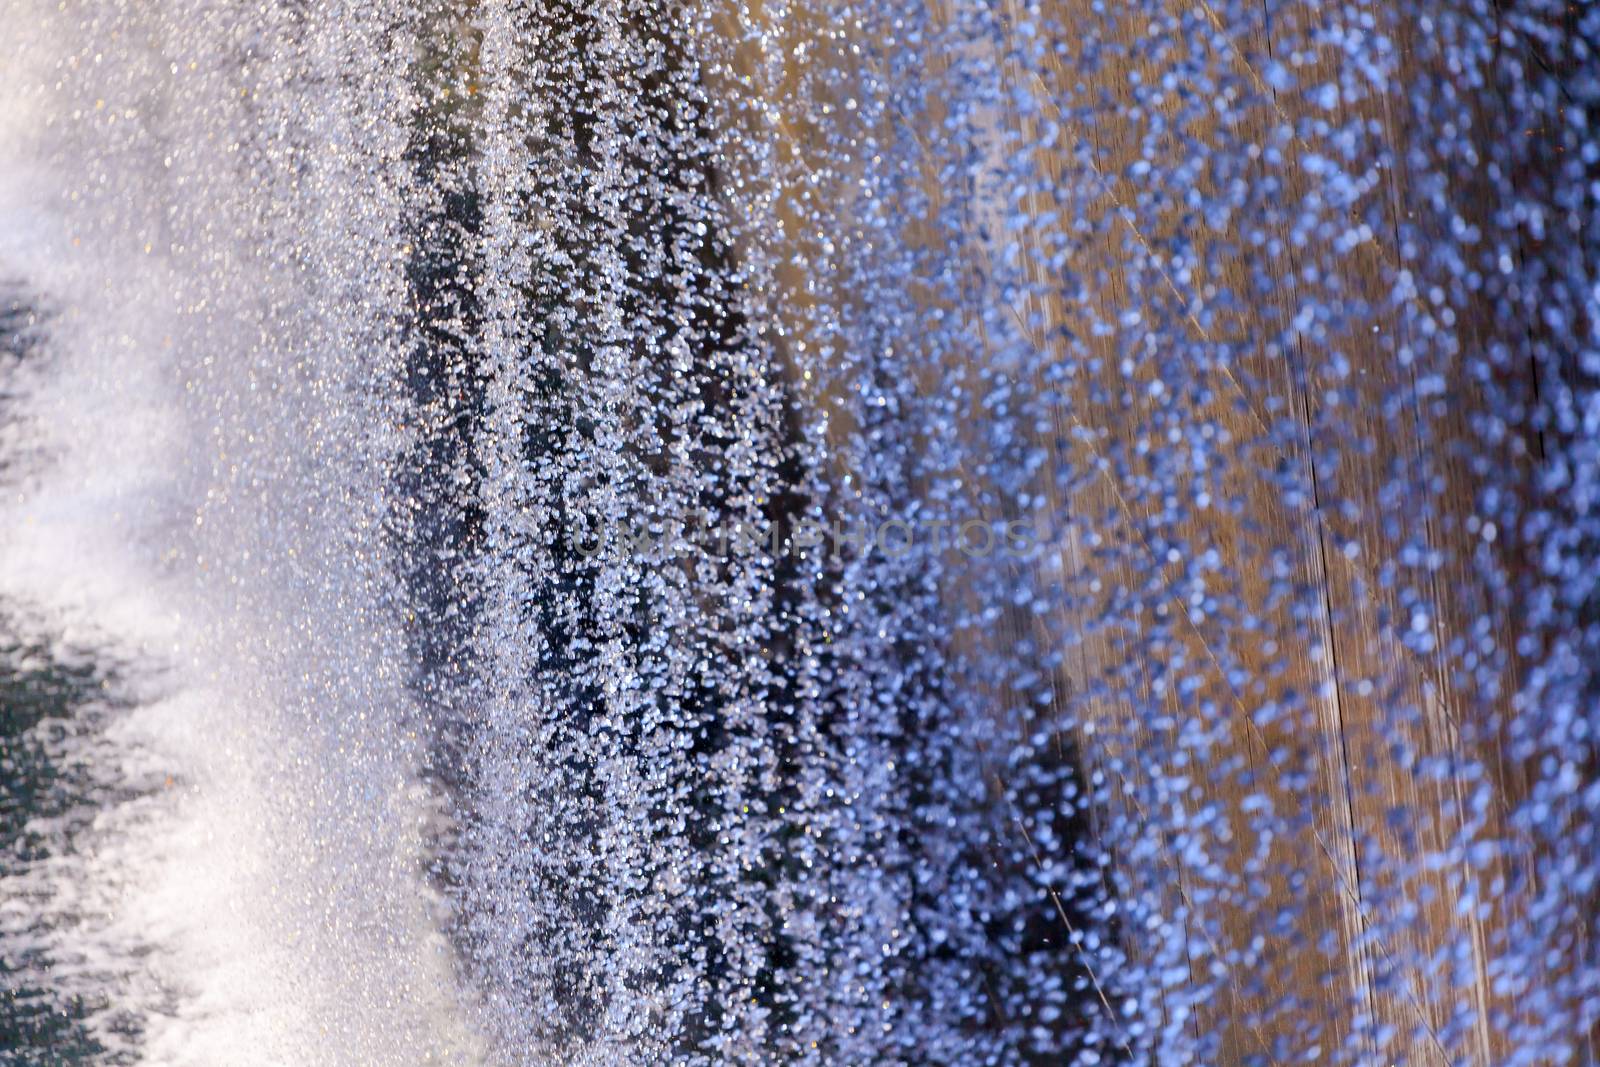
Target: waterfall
{"type": "Point", "coordinates": [844, 533]}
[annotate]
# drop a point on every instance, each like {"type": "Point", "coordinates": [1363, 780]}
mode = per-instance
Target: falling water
{"type": "Point", "coordinates": [850, 533]}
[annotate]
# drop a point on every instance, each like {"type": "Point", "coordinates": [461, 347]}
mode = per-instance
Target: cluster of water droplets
{"type": "Point", "coordinates": [1272, 326]}
{"type": "Point", "coordinates": [1242, 761]}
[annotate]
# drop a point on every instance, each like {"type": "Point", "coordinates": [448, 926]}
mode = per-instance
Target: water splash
{"type": "Point", "coordinates": [426, 335]}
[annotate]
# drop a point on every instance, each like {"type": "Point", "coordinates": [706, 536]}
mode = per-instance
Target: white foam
{"type": "Point", "coordinates": [264, 900]}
